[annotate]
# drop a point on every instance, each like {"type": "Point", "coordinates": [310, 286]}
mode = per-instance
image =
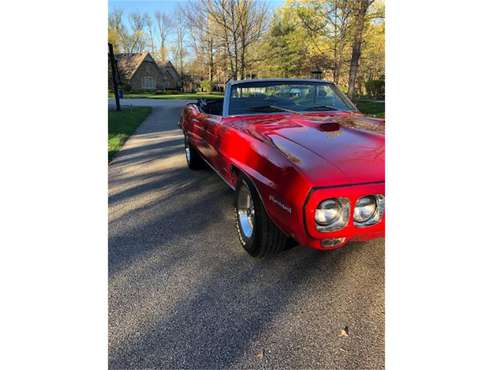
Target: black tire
{"type": "Point", "coordinates": [194, 160]}
{"type": "Point", "coordinates": [265, 238]}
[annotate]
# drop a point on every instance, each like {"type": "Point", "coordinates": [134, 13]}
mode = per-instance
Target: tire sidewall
{"type": "Point", "coordinates": [194, 161]}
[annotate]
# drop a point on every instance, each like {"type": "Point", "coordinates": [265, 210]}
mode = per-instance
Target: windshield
{"type": "Point", "coordinates": [279, 96]}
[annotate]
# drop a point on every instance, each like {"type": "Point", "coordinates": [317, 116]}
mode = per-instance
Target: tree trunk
{"type": "Point", "coordinates": [114, 74]}
{"type": "Point", "coordinates": [162, 53]}
{"type": "Point", "coordinates": [360, 14]}
{"type": "Point", "coordinates": [235, 50]}
{"type": "Point", "coordinates": [242, 63]}
{"type": "Point", "coordinates": [211, 60]}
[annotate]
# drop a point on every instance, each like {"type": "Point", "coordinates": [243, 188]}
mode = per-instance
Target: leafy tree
{"type": "Point", "coordinates": [241, 24]}
{"type": "Point", "coordinates": [206, 85]}
{"type": "Point", "coordinates": [163, 24]}
{"type": "Point", "coordinates": [375, 88]}
{"type": "Point", "coordinates": [137, 37]}
{"type": "Point", "coordinates": [149, 25]}
{"type": "Point", "coordinates": [179, 49]}
{"type": "Point", "coordinates": [345, 39]}
{"type": "Point", "coordinates": [359, 9]}
{"type": "Point", "coordinates": [372, 62]}
{"type": "Point", "coordinates": [328, 25]}
{"type": "Point", "coordinates": [285, 49]}
{"type": "Point", "coordinates": [117, 33]}
{"type": "Point", "coordinates": [202, 30]}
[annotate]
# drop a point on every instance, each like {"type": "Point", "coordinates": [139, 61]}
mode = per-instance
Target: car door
{"type": "Point", "coordinates": [197, 130]}
{"type": "Point", "coordinates": [205, 135]}
{"type": "Point", "coordinates": [213, 132]}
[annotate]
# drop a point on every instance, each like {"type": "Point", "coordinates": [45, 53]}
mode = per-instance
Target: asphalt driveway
{"type": "Point", "coordinates": [183, 294]}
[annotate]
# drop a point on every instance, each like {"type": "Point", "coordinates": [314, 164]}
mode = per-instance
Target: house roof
{"type": "Point", "coordinates": [167, 64]}
{"type": "Point", "coordinates": [168, 67]}
{"type": "Point", "coordinates": [128, 63]}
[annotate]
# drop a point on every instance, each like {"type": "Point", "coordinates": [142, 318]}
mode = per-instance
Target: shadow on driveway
{"type": "Point", "coordinates": [183, 293]}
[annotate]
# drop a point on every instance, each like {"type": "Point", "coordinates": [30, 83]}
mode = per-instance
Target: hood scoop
{"type": "Point", "coordinates": [329, 126]}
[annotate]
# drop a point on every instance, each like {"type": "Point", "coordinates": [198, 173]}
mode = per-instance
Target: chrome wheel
{"type": "Point", "coordinates": [246, 211]}
{"type": "Point", "coordinates": [187, 150]}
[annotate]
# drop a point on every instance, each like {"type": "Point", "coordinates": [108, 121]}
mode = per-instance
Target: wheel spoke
{"type": "Point", "coordinates": [246, 211]}
{"type": "Point", "coordinates": [187, 151]}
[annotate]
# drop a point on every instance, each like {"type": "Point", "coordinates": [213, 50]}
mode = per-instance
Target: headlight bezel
{"type": "Point", "coordinates": [377, 215]}
{"type": "Point", "coordinates": [338, 222]}
{"type": "Point", "coordinates": [365, 208]}
{"type": "Point", "coordinates": [352, 192]}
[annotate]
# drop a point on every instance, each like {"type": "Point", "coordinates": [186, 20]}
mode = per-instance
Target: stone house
{"type": "Point", "coordinates": [139, 71]}
{"type": "Point", "coordinates": [171, 75]}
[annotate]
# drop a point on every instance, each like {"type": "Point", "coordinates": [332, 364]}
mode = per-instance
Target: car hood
{"type": "Point", "coordinates": [330, 148]}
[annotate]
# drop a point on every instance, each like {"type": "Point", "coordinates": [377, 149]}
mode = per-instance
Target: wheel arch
{"type": "Point", "coordinates": [252, 177]}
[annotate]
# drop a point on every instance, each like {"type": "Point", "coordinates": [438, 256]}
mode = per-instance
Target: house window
{"type": "Point", "coordinates": [149, 83]}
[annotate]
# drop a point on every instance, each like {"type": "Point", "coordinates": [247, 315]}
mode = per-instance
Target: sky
{"type": "Point", "coordinates": [167, 6]}
{"type": "Point", "coordinates": [129, 6]}
{"type": "Point", "coordinates": [144, 6]}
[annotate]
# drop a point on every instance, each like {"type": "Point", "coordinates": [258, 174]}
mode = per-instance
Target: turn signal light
{"type": "Point", "coordinates": [333, 242]}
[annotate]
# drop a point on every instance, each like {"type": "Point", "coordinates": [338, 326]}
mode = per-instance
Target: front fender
{"type": "Point", "coordinates": [281, 188]}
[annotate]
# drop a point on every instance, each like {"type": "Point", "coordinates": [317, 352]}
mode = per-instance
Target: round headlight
{"type": "Point", "coordinates": [365, 209]}
{"type": "Point", "coordinates": [328, 212]}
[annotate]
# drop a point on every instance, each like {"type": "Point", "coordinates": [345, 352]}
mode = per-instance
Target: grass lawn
{"type": "Point", "coordinates": [122, 124]}
{"type": "Point", "coordinates": [372, 108]}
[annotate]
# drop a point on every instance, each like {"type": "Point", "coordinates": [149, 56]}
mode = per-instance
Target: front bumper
{"type": "Point", "coordinates": [320, 240]}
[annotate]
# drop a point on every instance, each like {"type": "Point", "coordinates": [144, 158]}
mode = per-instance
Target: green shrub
{"type": "Point", "coordinates": [375, 88]}
{"type": "Point", "coordinates": [126, 88]}
{"type": "Point", "coordinates": [206, 86]}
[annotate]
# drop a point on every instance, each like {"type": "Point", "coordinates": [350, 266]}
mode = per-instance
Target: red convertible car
{"type": "Point", "coordinates": [304, 163]}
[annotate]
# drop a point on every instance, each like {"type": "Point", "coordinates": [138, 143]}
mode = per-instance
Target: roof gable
{"type": "Point", "coordinates": [129, 63]}
{"type": "Point", "coordinates": [167, 68]}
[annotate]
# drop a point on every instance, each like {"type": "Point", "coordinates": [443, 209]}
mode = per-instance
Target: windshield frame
{"type": "Point", "coordinates": [231, 84]}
